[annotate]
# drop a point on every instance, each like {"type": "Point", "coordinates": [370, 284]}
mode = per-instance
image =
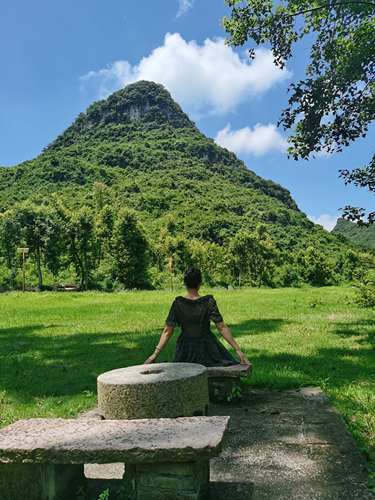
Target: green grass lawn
{"type": "Point", "coordinates": [54, 345]}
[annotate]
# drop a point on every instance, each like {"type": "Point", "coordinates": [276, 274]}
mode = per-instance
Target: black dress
{"type": "Point", "coordinates": [197, 344]}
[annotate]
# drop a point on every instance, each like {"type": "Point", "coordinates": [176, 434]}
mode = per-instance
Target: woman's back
{"type": "Point", "coordinates": [194, 315]}
{"type": "Point", "coordinates": [197, 344]}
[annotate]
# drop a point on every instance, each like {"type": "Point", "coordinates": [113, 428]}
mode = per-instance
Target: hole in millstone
{"type": "Point", "coordinates": [152, 372]}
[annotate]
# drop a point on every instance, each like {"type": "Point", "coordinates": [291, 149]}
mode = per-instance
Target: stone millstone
{"type": "Point", "coordinates": [154, 391]}
{"type": "Point", "coordinates": [63, 441]}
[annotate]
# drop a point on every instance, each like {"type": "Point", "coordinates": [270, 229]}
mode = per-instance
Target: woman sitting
{"type": "Point", "coordinates": [197, 343]}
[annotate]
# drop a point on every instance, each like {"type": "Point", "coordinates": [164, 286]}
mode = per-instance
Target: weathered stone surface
{"type": "Point", "coordinates": [153, 391]}
{"type": "Point", "coordinates": [82, 441]}
{"type": "Point", "coordinates": [290, 445]}
{"type": "Point", "coordinates": [233, 371]}
{"type": "Point", "coordinates": [230, 490]}
{"type": "Point", "coordinates": [105, 471]}
{"type": "Point", "coordinates": [40, 481]}
{"type": "Point", "coordinates": [91, 414]}
{"type": "Point", "coordinates": [169, 481]}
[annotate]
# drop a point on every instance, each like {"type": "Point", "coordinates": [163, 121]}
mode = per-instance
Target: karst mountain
{"type": "Point", "coordinates": [141, 144]}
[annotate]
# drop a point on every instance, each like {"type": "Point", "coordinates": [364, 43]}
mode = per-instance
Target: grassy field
{"type": "Point", "coordinates": [53, 346]}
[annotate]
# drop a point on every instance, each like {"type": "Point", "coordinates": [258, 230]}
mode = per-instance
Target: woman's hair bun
{"type": "Point", "coordinates": [193, 278]}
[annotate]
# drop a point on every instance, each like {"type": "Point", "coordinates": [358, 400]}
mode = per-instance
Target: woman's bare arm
{"type": "Point", "coordinates": [226, 333]}
{"type": "Point", "coordinates": [164, 339]}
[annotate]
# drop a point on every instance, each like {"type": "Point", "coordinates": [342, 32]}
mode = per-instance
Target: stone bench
{"type": "Point", "coordinates": [43, 459]}
{"type": "Point", "coordinates": [224, 382]}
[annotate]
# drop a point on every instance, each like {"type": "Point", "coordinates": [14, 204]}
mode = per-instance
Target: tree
{"type": "Point", "coordinates": [213, 260]}
{"type": "Point", "coordinates": [104, 228]}
{"type": "Point", "coordinates": [82, 244]}
{"type": "Point", "coordinates": [177, 253]}
{"type": "Point", "coordinates": [252, 254]}
{"type": "Point", "coordinates": [101, 195]}
{"type": "Point", "coordinates": [40, 231]}
{"type": "Point", "coordinates": [335, 103]}
{"type": "Point", "coordinates": [314, 267]}
{"type": "Point", "coordinates": [349, 265]}
{"type": "Point", "coordinates": [129, 250]}
{"type": "Point", "coordinates": [9, 241]}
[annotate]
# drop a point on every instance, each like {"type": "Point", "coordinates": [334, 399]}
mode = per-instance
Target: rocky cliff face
{"type": "Point", "coordinates": [143, 103]}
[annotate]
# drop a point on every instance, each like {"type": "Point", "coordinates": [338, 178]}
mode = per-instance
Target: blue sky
{"type": "Point", "coordinates": [58, 57]}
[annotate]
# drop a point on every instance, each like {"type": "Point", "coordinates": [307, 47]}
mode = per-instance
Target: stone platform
{"type": "Point", "coordinates": [289, 445]}
{"type": "Point", "coordinates": [77, 441]}
{"type": "Point", "coordinates": [165, 459]}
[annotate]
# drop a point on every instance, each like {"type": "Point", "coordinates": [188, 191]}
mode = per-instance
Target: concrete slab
{"type": "Point", "coordinates": [288, 445]}
{"type": "Point", "coordinates": [79, 441]}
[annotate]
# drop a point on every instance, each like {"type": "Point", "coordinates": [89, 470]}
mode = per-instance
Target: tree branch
{"type": "Point", "coordinates": [328, 6]}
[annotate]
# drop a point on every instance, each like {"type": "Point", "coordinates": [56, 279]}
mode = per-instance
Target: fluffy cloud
{"type": "Point", "coordinates": [325, 220]}
{"type": "Point", "coordinates": [258, 141]}
{"type": "Point", "coordinates": [184, 6]}
{"type": "Point", "coordinates": [208, 78]}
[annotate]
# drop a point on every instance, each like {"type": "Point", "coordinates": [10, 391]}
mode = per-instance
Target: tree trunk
{"type": "Point", "coordinates": [39, 270]}
{"type": "Point", "coordinates": [77, 263]}
{"type": "Point", "coordinates": [84, 272]}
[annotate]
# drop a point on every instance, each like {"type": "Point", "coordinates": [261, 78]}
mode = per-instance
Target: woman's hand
{"type": "Point", "coordinates": [165, 336]}
{"type": "Point", "coordinates": [151, 359]}
{"type": "Point", "coordinates": [243, 358]}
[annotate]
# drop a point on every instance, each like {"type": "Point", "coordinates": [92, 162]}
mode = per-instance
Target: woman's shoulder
{"type": "Point", "coordinates": [203, 298]}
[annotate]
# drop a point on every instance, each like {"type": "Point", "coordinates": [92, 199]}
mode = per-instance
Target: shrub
{"type": "Point", "coordinates": [365, 295]}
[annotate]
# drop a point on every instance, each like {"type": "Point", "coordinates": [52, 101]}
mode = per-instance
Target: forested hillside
{"type": "Point", "coordinates": [132, 192]}
{"type": "Point", "coordinates": [363, 236]}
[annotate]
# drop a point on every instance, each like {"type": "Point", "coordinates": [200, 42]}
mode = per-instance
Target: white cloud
{"type": "Point", "coordinates": [184, 6]}
{"type": "Point", "coordinates": [326, 220]}
{"type": "Point", "coordinates": [209, 78]}
{"type": "Point", "coordinates": [260, 140]}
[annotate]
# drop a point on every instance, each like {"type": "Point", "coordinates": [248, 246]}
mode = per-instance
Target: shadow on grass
{"type": "Point", "coordinates": [33, 364]}
{"type": "Point", "coordinates": [362, 328]}
{"type": "Point", "coordinates": [329, 366]}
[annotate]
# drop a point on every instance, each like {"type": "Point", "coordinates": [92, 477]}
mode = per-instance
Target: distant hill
{"type": "Point", "coordinates": [363, 236]}
{"type": "Point", "coordinates": [140, 143]}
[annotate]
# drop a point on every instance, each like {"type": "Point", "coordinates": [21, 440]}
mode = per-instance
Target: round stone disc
{"type": "Point", "coordinates": [153, 391]}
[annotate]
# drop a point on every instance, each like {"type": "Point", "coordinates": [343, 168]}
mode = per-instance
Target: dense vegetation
{"type": "Point", "coordinates": [132, 193]}
{"type": "Point", "coordinates": [362, 235]}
